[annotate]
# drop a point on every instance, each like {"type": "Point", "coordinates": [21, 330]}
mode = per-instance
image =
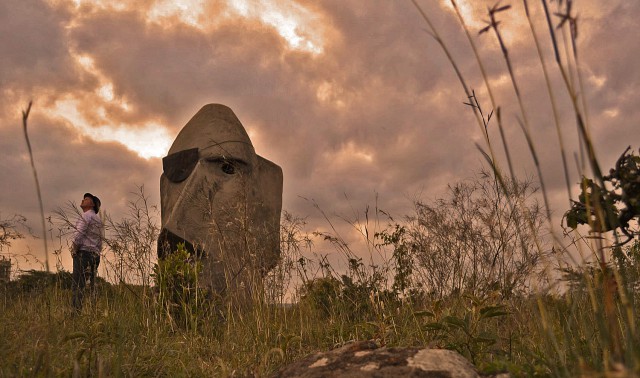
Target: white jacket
{"type": "Point", "coordinates": [88, 233]}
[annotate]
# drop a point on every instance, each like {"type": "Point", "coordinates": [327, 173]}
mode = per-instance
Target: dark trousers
{"type": "Point", "coordinates": [85, 266]}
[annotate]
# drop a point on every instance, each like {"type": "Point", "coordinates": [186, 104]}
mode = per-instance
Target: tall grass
{"type": "Point", "coordinates": [137, 330]}
{"type": "Point", "coordinates": [25, 117]}
{"type": "Point", "coordinates": [606, 302]}
{"type": "Point", "coordinates": [458, 273]}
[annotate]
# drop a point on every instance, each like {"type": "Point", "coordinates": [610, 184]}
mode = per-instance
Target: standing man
{"type": "Point", "coordinates": [85, 249]}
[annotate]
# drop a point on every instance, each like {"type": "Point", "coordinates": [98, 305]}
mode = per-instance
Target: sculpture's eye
{"type": "Point", "coordinates": [178, 166]}
{"type": "Point", "coordinates": [228, 165]}
{"type": "Point", "coordinates": [228, 168]}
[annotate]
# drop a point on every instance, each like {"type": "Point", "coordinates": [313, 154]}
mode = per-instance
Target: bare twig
{"type": "Point", "coordinates": [25, 116]}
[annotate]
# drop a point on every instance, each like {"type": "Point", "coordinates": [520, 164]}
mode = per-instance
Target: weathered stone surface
{"type": "Point", "coordinates": [366, 359]}
{"type": "Point", "coordinates": [221, 199]}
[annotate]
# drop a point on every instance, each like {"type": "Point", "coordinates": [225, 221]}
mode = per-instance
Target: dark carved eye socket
{"type": "Point", "coordinates": [228, 168]}
{"type": "Point", "coordinates": [178, 166]}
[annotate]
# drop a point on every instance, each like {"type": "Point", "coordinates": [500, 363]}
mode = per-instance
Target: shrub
{"type": "Point", "coordinates": [176, 278]}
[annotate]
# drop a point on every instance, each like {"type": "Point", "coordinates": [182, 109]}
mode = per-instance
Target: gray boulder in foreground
{"type": "Point", "coordinates": [367, 359]}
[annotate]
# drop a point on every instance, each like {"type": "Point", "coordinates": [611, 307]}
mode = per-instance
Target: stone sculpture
{"type": "Point", "coordinates": [221, 199]}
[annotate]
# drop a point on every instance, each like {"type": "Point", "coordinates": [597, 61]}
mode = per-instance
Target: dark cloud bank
{"type": "Point", "coordinates": [377, 116]}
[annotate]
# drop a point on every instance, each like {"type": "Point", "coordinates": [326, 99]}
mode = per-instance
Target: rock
{"type": "Point", "coordinates": [367, 359]}
{"type": "Point", "coordinates": [221, 200]}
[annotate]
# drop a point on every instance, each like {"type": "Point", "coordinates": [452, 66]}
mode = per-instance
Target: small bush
{"type": "Point", "coordinates": [176, 279]}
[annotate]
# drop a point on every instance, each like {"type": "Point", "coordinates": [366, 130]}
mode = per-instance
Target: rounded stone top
{"type": "Point", "coordinates": [212, 125]}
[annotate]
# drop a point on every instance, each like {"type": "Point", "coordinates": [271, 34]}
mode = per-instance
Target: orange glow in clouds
{"type": "Point", "coordinates": [468, 12]}
{"type": "Point", "coordinates": [299, 27]}
{"type": "Point", "coordinates": [148, 140]}
{"type": "Point", "coordinates": [475, 14]}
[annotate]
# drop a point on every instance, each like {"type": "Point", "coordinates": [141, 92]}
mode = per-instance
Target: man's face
{"type": "Point", "coordinates": [87, 203]}
{"type": "Point", "coordinates": [217, 195]}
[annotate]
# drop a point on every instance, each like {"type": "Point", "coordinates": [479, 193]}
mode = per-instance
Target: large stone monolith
{"type": "Point", "coordinates": [221, 199]}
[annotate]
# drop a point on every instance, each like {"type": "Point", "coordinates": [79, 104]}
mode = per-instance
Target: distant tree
{"type": "Point", "coordinates": [9, 230]}
{"type": "Point", "coordinates": [31, 281]}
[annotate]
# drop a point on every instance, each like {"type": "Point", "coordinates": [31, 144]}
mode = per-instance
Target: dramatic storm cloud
{"type": "Point", "coordinates": [355, 100]}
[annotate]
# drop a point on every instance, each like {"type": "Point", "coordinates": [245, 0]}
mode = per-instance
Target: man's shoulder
{"type": "Point", "coordinates": [91, 216]}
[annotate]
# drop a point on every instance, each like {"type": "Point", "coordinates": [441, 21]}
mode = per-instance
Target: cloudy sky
{"type": "Point", "coordinates": [353, 99]}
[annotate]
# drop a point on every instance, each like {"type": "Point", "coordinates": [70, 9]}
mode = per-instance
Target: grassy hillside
{"type": "Point", "coordinates": [129, 330]}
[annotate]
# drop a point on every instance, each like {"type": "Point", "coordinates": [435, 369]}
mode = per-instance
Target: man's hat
{"type": "Point", "coordinates": [96, 201]}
